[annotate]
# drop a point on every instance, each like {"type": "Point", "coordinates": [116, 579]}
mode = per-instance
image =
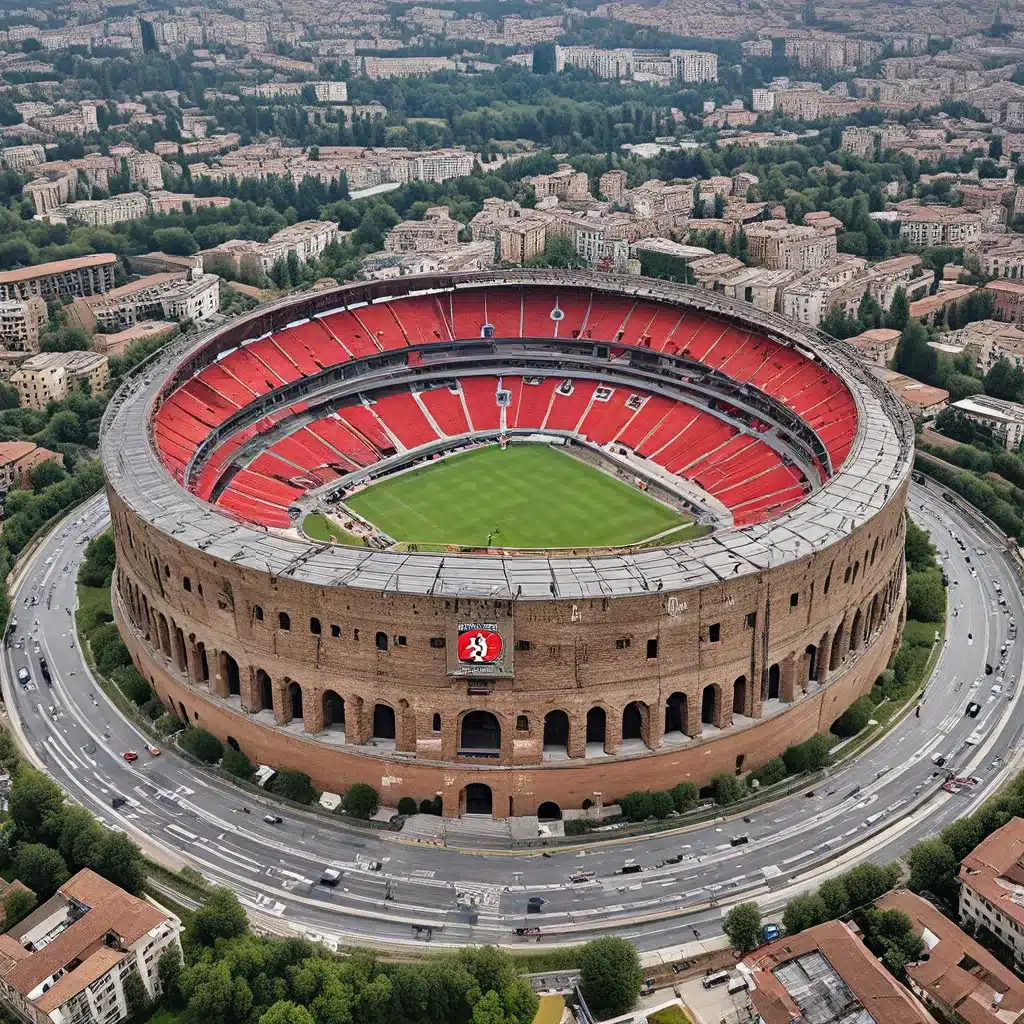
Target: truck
{"type": "Point", "coordinates": [770, 932]}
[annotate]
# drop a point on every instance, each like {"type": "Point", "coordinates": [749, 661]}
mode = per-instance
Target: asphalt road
{"type": "Point", "coordinates": [687, 878]}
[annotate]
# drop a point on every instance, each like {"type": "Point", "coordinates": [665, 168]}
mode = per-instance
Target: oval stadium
{"type": "Point", "coordinates": [523, 540]}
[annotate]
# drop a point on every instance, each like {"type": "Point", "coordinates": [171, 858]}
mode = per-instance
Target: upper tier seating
{"type": "Point", "coordinates": [362, 433]}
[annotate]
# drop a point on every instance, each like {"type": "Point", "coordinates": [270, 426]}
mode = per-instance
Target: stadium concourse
{"type": "Point", "coordinates": [508, 681]}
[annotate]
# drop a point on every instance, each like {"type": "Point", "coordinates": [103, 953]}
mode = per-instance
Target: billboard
{"type": "Point", "coordinates": [482, 644]}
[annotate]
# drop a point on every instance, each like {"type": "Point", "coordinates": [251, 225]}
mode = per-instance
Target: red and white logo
{"type": "Point", "coordinates": [479, 646]}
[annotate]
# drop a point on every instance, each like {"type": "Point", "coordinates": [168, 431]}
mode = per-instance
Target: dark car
{"type": "Point", "coordinates": [118, 801]}
{"type": "Point", "coordinates": [972, 710]}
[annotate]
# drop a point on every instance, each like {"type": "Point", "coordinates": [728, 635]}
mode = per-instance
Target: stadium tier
{"type": "Point", "coordinates": [754, 487]}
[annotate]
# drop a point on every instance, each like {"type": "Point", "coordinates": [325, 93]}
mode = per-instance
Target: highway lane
{"type": "Point", "coordinates": [466, 896]}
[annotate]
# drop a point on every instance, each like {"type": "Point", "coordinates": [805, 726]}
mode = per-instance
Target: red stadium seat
{"type": "Point", "coordinates": [446, 410]}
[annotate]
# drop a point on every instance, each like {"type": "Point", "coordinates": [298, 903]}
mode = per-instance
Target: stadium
{"type": "Point", "coordinates": [526, 540]}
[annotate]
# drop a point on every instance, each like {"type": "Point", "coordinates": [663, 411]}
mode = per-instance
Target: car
{"type": "Point", "coordinates": [23, 676]}
{"type": "Point", "coordinates": [273, 819]}
{"type": "Point", "coordinates": [118, 801]}
{"type": "Point", "coordinates": [130, 755]}
{"type": "Point", "coordinates": [973, 709]}
{"type": "Point", "coordinates": [155, 751]}
{"type": "Point", "coordinates": [970, 781]}
{"type": "Point", "coordinates": [951, 787]}
{"type": "Point", "coordinates": [974, 739]}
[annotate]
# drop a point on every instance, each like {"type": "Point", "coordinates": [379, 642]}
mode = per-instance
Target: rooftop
{"type": "Point", "coordinates": [102, 259]}
{"type": "Point", "coordinates": [995, 870]}
{"type": "Point", "coordinates": [913, 392]}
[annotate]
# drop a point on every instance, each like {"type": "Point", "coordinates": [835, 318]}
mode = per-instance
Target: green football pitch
{"type": "Point", "coordinates": [528, 496]}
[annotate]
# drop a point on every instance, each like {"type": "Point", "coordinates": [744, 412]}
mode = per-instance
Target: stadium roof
{"type": "Point", "coordinates": [878, 464]}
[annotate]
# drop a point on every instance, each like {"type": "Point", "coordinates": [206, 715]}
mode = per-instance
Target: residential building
{"type": "Point", "coordinates": [325, 92]}
{"type": "Point", "coordinates": [1004, 258]}
{"type": "Point", "coordinates": [939, 225]}
{"type": "Point", "coordinates": [436, 231]}
{"type": "Point", "coordinates": [924, 401]}
{"type": "Point", "coordinates": [20, 323]}
{"type": "Point", "coordinates": [82, 275]}
{"type": "Point", "coordinates": [839, 282]}
{"type": "Point", "coordinates": [50, 376]}
{"type": "Point", "coordinates": [906, 272]}
{"type": "Point", "coordinates": [518, 234]}
{"type": "Point", "coordinates": [612, 185]}
{"type": "Point", "coordinates": [51, 190]}
{"type": "Point", "coordinates": [931, 309]}
{"type": "Point", "coordinates": [22, 158]}
{"type": "Point", "coordinates": [100, 212]}
{"type": "Point", "coordinates": [463, 256]}
{"type": "Point", "coordinates": [175, 202]}
{"type": "Point", "coordinates": [307, 240]}
{"type": "Point", "coordinates": [955, 975]}
{"type": "Point", "coordinates": [1009, 300]}
{"type": "Point", "coordinates": [859, 141]}
{"type": "Point", "coordinates": [779, 245]}
{"type": "Point", "coordinates": [805, 104]}
{"type": "Point", "coordinates": [763, 100]}
{"type": "Point", "coordinates": [17, 460]}
{"type": "Point", "coordinates": [877, 345]}
{"type": "Point", "coordinates": [825, 974]}
{"type": "Point", "coordinates": [1005, 419]}
{"type": "Point", "coordinates": [986, 342]}
{"type": "Point", "coordinates": [170, 296]}
{"type": "Point", "coordinates": [404, 67]}
{"type": "Point", "coordinates": [145, 170]}
{"type": "Point", "coordinates": [69, 959]}
{"type": "Point", "coordinates": [565, 183]}
{"type": "Point", "coordinates": [992, 887]}
{"type": "Point", "coordinates": [685, 65]}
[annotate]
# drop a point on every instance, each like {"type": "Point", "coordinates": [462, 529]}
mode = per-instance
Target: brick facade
{"type": "Point", "coordinates": [814, 633]}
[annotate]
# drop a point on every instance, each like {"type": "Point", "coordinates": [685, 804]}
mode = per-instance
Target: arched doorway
{"type": "Point", "coordinates": [556, 731]}
{"type": "Point", "coordinates": [633, 720]}
{"type": "Point", "coordinates": [774, 674]}
{"type": "Point", "coordinates": [837, 647]}
{"type": "Point", "coordinates": [739, 696]}
{"type": "Point", "coordinates": [477, 799]}
{"type": "Point", "coordinates": [230, 668]}
{"type": "Point", "coordinates": [855, 631]}
{"type": "Point", "coordinates": [203, 662]}
{"type": "Point", "coordinates": [165, 636]}
{"type": "Point", "coordinates": [708, 704]}
{"type": "Point", "coordinates": [549, 811]}
{"type": "Point", "coordinates": [264, 690]}
{"type": "Point", "coordinates": [383, 722]}
{"type": "Point", "coordinates": [293, 700]}
{"type": "Point", "coordinates": [811, 652]}
{"type": "Point", "coordinates": [596, 725]}
{"type": "Point", "coordinates": [179, 650]}
{"type": "Point", "coordinates": [334, 711]}
{"type": "Point", "coordinates": [480, 734]}
{"type": "Point", "coordinates": [675, 714]}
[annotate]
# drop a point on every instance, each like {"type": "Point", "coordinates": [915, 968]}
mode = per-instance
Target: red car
{"type": "Point", "coordinates": [130, 755]}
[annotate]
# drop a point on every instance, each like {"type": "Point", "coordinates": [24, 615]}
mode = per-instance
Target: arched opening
{"type": "Point", "coordinates": [334, 711]}
{"type": "Point", "coordinates": [264, 691]}
{"type": "Point", "coordinates": [596, 725]}
{"type": "Point", "coordinates": [811, 653]}
{"type": "Point", "coordinates": [383, 722]}
{"type": "Point", "coordinates": [549, 811]}
{"type": "Point", "coordinates": [633, 720]}
{"type": "Point", "coordinates": [837, 647]}
{"type": "Point", "coordinates": [284, 620]}
{"type": "Point", "coordinates": [480, 734]}
{"type": "Point", "coordinates": [435, 725]}
{"type": "Point", "coordinates": [202, 662]}
{"type": "Point", "coordinates": [293, 700]}
{"type": "Point", "coordinates": [855, 631]}
{"type": "Point", "coordinates": [231, 671]}
{"type": "Point", "coordinates": [675, 714]}
{"type": "Point", "coordinates": [739, 696]}
{"type": "Point", "coordinates": [708, 704]}
{"type": "Point", "coordinates": [184, 713]}
{"type": "Point", "coordinates": [180, 659]}
{"type": "Point", "coordinates": [165, 636]}
{"type": "Point", "coordinates": [872, 616]}
{"type": "Point", "coordinates": [774, 675]}
{"type": "Point", "coordinates": [822, 658]}
{"type": "Point", "coordinates": [477, 799]}
{"type": "Point", "coordinates": [233, 743]}
{"type": "Point", "coordinates": [556, 731]}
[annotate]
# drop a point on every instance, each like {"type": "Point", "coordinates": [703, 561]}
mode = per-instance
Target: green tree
{"type": "Point", "coordinates": [899, 310]}
{"type": "Point", "coordinates": [1004, 380]}
{"type": "Point", "coordinates": [43, 870]}
{"type": "Point", "coordinates": [175, 241]}
{"type": "Point", "coordinates": [926, 596]}
{"type": "Point", "coordinates": [610, 976]}
{"type": "Point", "coordinates": [286, 1012]}
{"type": "Point", "coordinates": [120, 861]}
{"type": "Point", "coordinates": [854, 718]}
{"type": "Point", "coordinates": [80, 838]}
{"type": "Point", "coordinates": [662, 804]}
{"type": "Point", "coordinates": [636, 806]}
{"type": "Point", "coordinates": [933, 868]}
{"type": "Point", "coordinates": [201, 744]}
{"type": "Point", "coordinates": [804, 912]}
{"type": "Point", "coordinates": [685, 795]}
{"type": "Point", "coordinates": [293, 785]}
{"type": "Point", "coordinates": [18, 904]}
{"type": "Point", "coordinates": [835, 898]}
{"type": "Point", "coordinates": [136, 998]}
{"type": "Point", "coordinates": [45, 473]}
{"type": "Point", "coordinates": [743, 927]}
{"type": "Point", "coordinates": [407, 805]}
{"type": "Point", "coordinates": [914, 356]}
{"type": "Point", "coordinates": [35, 806]}
{"type": "Point", "coordinates": [726, 789]}
{"type": "Point", "coordinates": [236, 763]}
{"type": "Point", "coordinates": [168, 969]}
{"type": "Point", "coordinates": [360, 801]}
{"type": "Point", "coordinates": [220, 917]}
{"type": "Point", "coordinates": [866, 882]}
{"type": "Point", "coordinates": [489, 1010]}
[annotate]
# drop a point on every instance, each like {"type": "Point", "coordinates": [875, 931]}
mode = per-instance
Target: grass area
{"type": "Point", "coordinates": [164, 1016]}
{"type": "Point", "coordinates": [320, 527]}
{"type": "Point", "coordinates": [528, 496]}
{"type": "Point", "coordinates": [550, 1010]}
{"type": "Point", "coordinates": [93, 602]}
{"type": "Point", "coordinates": [670, 1015]}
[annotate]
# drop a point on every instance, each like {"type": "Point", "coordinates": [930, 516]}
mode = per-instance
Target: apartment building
{"type": "Point", "coordinates": [986, 342]}
{"type": "Point", "coordinates": [939, 225]}
{"type": "Point", "coordinates": [877, 346]}
{"type": "Point", "coordinates": [51, 190]}
{"type": "Point", "coordinates": [1003, 258]}
{"type": "Point", "coordinates": [685, 65]}
{"type": "Point", "coordinates": [102, 212]}
{"type": "Point", "coordinates": [957, 977]}
{"type": "Point", "coordinates": [437, 230]}
{"type": "Point", "coordinates": [307, 240]}
{"type": "Point", "coordinates": [612, 185]}
{"type": "Point", "coordinates": [827, 975]}
{"type": "Point", "coordinates": [17, 460]}
{"type": "Point", "coordinates": [67, 962]}
{"type": "Point", "coordinates": [564, 183]}
{"type": "Point", "coordinates": [325, 92]}
{"type": "Point", "coordinates": [992, 887]}
{"type": "Point", "coordinates": [22, 158]}
{"type": "Point", "coordinates": [656, 198]}
{"type": "Point", "coordinates": [464, 256]}
{"type": "Point", "coordinates": [21, 322]}
{"type": "Point", "coordinates": [145, 170]}
{"type": "Point", "coordinates": [906, 272]}
{"type": "Point", "coordinates": [1009, 297]}
{"type": "Point", "coordinates": [175, 202]}
{"type": "Point", "coordinates": [859, 141]}
{"type": "Point", "coordinates": [779, 245]}
{"type": "Point", "coordinates": [840, 282]}
{"type": "Point", "coordinates": [923, 401]}
{"type": "Point", "coordinates": [404, 67]}
{"type": "Point", "coordinates": [763, 100]}
{"type": "Point", "coordinates": [804, 104]}
{"type": "Point", "coordinates": [171, 296]}
{"type": "Point", "coordinates": [82, 275]}
{"type": "Point", "coordinates": [51, 376]}
{"type": "Point", "coordinates": [1005, 419]}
